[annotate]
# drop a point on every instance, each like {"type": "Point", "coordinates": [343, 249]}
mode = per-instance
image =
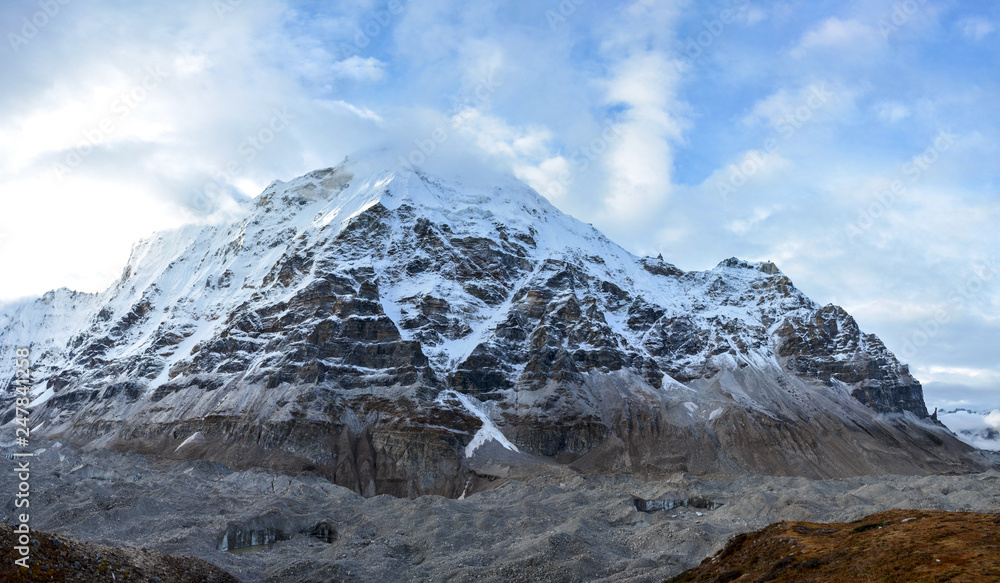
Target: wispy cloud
{"type": "Point", "coordinates": [892, 112]}
{"type": "Point", "coordinates": [834, 33]}
{"type": "Point", "coordinates": [976, 28]}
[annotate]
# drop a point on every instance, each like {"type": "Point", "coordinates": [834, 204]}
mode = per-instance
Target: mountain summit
{"type": "Point", "coordinates": [406, 333]}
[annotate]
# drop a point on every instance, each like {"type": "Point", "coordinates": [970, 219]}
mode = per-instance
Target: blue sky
{"type": "Point", "coordinates": [853, 142]}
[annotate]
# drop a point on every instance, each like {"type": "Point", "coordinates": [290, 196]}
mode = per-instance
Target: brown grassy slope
{"type": "Point", "coordinates": [58, 558]}
{"type": "Point", "coordinates": [936, 546]}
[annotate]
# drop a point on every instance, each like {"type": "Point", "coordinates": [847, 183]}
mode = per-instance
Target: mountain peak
{"type": "Point", "coordinates": [766, 267]}
{"type": "Point", "coordinates": [376, 176]}
{"type": "Point", "coordinates": [344, 302]}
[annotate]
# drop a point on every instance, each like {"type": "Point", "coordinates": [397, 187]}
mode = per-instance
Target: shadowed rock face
{"type": "Point", "coordinates": [330, 328]}
{"type": "Point", "coordinates": [829, 347]}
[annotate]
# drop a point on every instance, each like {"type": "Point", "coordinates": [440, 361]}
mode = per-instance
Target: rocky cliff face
{"type": "Point", "coordinates": [375, 325]}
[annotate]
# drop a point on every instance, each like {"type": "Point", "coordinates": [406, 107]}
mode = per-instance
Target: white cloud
{"type": "Point", "coordinates": [976, 28]}
{"type": "Point", "coordinates": [993, 419]}
{"type": "Point", "coordinates": [525, 149]}
{"type": "Point", "coordinates": [892, 112]}
{"type": "Point", "coordinates": [641, 156]}
{"type": "Point", "coordinates": [747, 224]}
{"type": "Point", "coordinates": [752, 166]}
{"type": "Point", "coordinates": [974, 428]}
{"type": "Point", "coordinates": [143, 125]}
{"type": "Point", "coordinates": [834, 33]}
{"type": "Point", "coordinates": [359, 69]}
{"type": "Point", "coordinates": [751, 15]}
{"type": "Point", "coordinates": [52, 240]}
{"type": "Point", "coordinates": [959, 374]}
{"type": "Point", "coordinates": [789, 109]}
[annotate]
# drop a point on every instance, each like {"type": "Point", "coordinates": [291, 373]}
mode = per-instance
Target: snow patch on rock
{"type": "Point", "coordinates": [489, 431]}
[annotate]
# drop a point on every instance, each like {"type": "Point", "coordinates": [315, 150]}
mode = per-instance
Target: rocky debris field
{"type": "Point", "coordinates": [898, 545]}
{"type": "Point", "coordinates": [551, 525]}
{"type": "Point", "coordinates": [58, 558]}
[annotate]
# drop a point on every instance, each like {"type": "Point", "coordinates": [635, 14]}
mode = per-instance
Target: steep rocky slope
{"type": "Point", "coordinates": [402, 333]}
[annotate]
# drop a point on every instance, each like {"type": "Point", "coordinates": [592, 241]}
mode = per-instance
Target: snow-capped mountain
{"type": "Point", "coordinates": [404, 333]}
